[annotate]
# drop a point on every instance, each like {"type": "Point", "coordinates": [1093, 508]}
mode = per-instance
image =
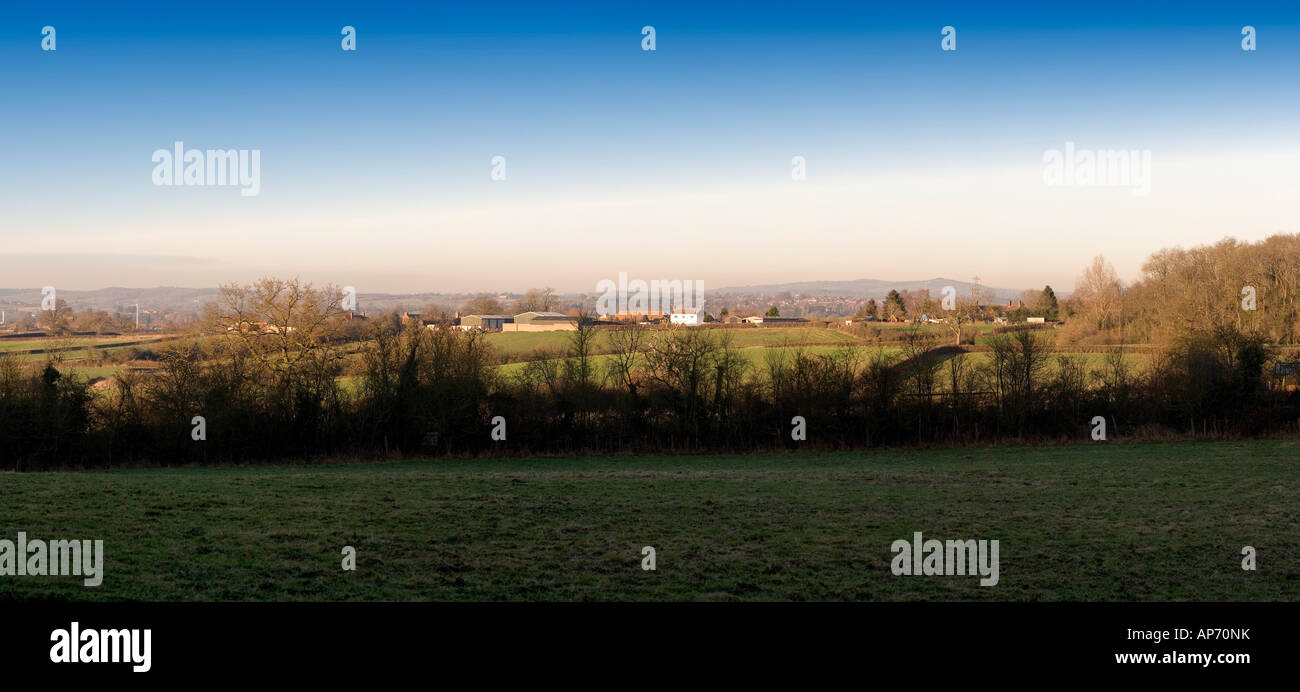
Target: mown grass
{"type": "Point", "coordinates": [757, 360]}
{"type": "Point", "coordinates": [48, 342]}
{"type": "Point", "coordinates": [93, 372]}
{"type": "Point", "coordinates": [526, 343]}
{"type": "Point", "coordinates": [1098, 522]}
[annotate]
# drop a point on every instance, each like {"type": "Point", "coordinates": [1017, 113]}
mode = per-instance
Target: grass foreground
{"type": "Point", "coordinates": [1127, 522]}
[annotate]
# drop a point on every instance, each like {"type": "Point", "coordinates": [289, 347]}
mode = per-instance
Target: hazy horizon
{"type": "Point", "coordinates": [900, 284]}
{"type": "Point", "coordinates": [674, 163]}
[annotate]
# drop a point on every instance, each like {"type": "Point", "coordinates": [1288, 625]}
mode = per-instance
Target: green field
{"type": "Point", "coordinates": [517, 348]}
{"type": "Point", "coordinates": [1094, 522]}
{"type": "Point", "coordinates": [81, 350]}
{"type": "Point", "coordinates": [754, 357]}
{"type": "Point", "coordinates": [515, 344]}
{"type": "Point", "coordinates": [756, 360]}
{"type": "Point", "coordinates": [48, 342]}
{"type": "Point", "coordinates": [93, 372]}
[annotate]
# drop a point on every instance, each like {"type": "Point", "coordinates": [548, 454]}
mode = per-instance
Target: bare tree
{"type": "Point", "coordinates": [627, 343]}
{"type": "Point", "coordinates": [1100, 291]}
{"type": "Point", "coordinates": [579, 367]}
{"type": "Point", "coordinates": [57, 321]}
{"type": "Point", "coordinates": [919, 364]}
{"type": "Point", "coordinates": [482, 304]}
{"type": "Point", "coordinates": [289, 328]}
{"type": "Point", "coordinates": [538, 300]}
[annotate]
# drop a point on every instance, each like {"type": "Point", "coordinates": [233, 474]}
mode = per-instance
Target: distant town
{"type": "Point", "coordinates": [118, 311]}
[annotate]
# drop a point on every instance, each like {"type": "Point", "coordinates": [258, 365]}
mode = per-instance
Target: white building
{"type": "Point", "coordinates": [487, 323]}
{"type": "Point", "coordinates": [689, 317]}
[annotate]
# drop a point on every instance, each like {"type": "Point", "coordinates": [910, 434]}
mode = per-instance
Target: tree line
{"type": "Point", "coordinates": [279, 371]}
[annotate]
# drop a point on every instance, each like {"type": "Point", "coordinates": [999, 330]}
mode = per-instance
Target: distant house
{"type": "Point", "coordinates": [1287, 374]}
{"type": "Point", "coordinates": [628, 316]}
{"type": "Point", "coordinates": [487, 323]}
{"type": "Point", "coordinates": [540, 322]}
{"type": "Point", "coordinates": [411, 317]}
{"type": "Point", "coordinates": [765, 319]}
{"type": "Point", "coordinates": [689, 317]}
{"type": "Point", "coordinates": [256, 328]}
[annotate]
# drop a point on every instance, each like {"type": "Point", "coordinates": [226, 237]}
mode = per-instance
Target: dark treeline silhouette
{"type": "Point", "coordinates": [280, 373]}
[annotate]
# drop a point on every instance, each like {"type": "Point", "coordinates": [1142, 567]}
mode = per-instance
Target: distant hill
{"type": "Point", "coordinates": [188, 300]}
{"type": "Point", "coordinates": [162, 298]}
{"type": "Point", "coordinates": [865, 288]}
{"type": "Point", "coordinates": [185, 300]}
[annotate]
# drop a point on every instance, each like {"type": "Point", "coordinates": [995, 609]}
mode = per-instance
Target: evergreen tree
{"type": "Point", "coordinates": [894, 308]}
{"type": "Point", "coordinates": [1050, 308]}
{"type": "Point", "coordinates": [867, 311]}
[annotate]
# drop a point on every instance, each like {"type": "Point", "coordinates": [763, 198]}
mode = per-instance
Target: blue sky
{"type": "Point", "coordinates": [375, 164]}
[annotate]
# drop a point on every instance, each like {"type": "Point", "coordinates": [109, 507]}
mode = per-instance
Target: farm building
{"type": "Point", "coordinates": [487, 323]}
{"type": "Point", "coordinates": [540, 322]}
{"type": "Point", "coordinates": [689, 317]}
{"type": "Point", "coordinates": [763, 319]}
{"type": "Point", "coordinates": [641, 316]}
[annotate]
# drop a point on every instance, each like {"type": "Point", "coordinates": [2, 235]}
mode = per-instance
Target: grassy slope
{"type": "Point", "coordinates": [69, 342]}
{"type": "Point", "coordinates": [1124, 522]}
{"type": "Point", "coordinates": [757, 360]}
{"type": "Point", "coordinates": [521, 343]}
